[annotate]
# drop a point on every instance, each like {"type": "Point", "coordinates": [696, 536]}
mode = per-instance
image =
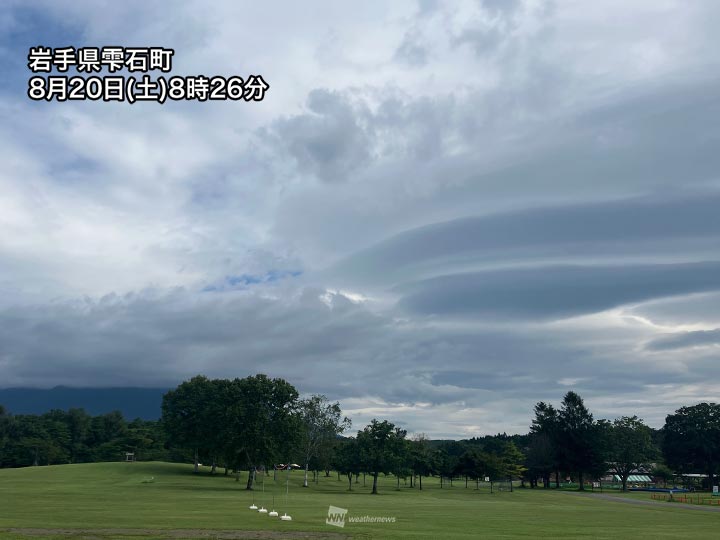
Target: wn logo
{"type": "Point", "coordinates": [336, 516]}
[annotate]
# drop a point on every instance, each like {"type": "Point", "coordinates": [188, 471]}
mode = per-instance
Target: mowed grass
{"type": "Point", "coordinates": [117, 495]}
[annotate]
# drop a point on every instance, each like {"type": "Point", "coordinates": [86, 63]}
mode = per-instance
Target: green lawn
{"type": "Point", "coordinates": [115, 496]}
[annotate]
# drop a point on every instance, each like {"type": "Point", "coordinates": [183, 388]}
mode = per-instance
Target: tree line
{"type": "Point", "coordinates": [255, 423]}
{"type": "Point", "coordinates": [568, 440]}
{"type": "Point", "coordinates": [74, 436]}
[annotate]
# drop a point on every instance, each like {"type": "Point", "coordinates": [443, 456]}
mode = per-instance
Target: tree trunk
{"type": "Point", "coordinates": [374, 489]}
{"type": "Point", "coordinates": [197, 462]}
{"type": "Point", "coordinates": [580, 480]}
{"type": "Point", "coordinates": [349, 481]}
{"type": "Point", "coordinates": [441, 482]}
{"type": "Point", "coordinates": [398, 483]}
{"type": "Point", "coordinates": [212, 470]}
{"type": "Point", "coordinates": [465, 481]}
{"type": "Point", "coordinates": [711, 477]}
{"type": "Point", "coordinates": [421, 482]}
{"type": "Point", "coordinates": [305, 480]}
{"type": "Point", "coordinates": [624, 482]}
{"type": "Point", "coordinates": [363, 479]}
{"type": "Point", "coordinates": [557, 479]}
{"type": "Point", "coordinates": [251, 477]}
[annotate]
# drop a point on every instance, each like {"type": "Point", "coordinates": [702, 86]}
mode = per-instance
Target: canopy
{"type": "Point", "coordinates": [634, 478]}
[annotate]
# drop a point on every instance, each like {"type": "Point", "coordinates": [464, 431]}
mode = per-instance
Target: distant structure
{"type": "Point", "coordinates": [129, 456]}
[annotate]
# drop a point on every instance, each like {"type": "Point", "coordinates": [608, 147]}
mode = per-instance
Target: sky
{"type": "Point", "coordinates": [440, 214]}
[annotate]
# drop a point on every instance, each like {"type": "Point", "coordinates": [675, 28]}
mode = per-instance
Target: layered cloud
{"type": "Point", "coordinates": [440, 214]}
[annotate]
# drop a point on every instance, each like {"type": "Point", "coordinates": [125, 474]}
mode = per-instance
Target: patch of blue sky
{"type": "Point", "coordinates": [24, 26]}
{"type": "Point", "coordinates": [245, 281]}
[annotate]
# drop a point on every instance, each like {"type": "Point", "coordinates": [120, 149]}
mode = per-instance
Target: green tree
{"type": "Point", "coordinates": [380, 445]}
{"type": "Point", "coordinates": [512, 460]}
{"type": "Point", "coordinates": [691, 439]}
{"type": "Point", "coordinates": [185, 414]}
{"type": "Point", "coordinates": [579, 440]}
{"type": "Point", "coordinates": [420, 456]}
{"type": "Point", "coordinates": [630, 447]}
{"type": "Point", "coordinates": [347, 459]}
{"type": "Point", "coordinates": [264, 420]}
{"type": "Point", "coordinates": [78, 425]}
{"type": "Point", "coordinates": [4, 434]}
{"type": "Point", "coordinates": [541, 458]}
{"type": "Point", "coordinates": [545, 435]}
{"type": "Point", "coordinates": [471, 465]}
{"type": "Point", "coordinates": [663, 472]}
{"type": "Point", "coordinates": [322, 422]}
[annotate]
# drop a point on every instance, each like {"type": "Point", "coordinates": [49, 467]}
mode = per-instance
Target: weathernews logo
{"type": "Point", "coordinates": [337, 516]}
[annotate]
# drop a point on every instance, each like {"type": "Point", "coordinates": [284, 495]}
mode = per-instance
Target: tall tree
{"type": "Point", "coordinates": [78, 424]}
{"type": "Point", "coordinates": [347, 459]}
{"type": "Point", "coordinates": [579, 443]}
{"type": "Point", "coordinates": [471, 465]}
{"type": "Point", "coordinates": [512, 460]}
{"type": "Point", "coordinates": [264, 420]}
{"type": "Point", "coordinates": [380, 445]}
{"type": "Point", "coordinates": [691, 439]}
{"type": "Point", "coordinates": [541, 458]}
{"type": "Point", "coordinates": [322, 422]}
{"type": "Point", "coordinates": [545, 435]}
{"type": "Point", "coordinates": [185, 414]}
{"type": "Point", "coordinates": [421, 460]}
{"type": "Point", "coordinates": [4, 434]}
{"type": "Point", "coordinates": [630, 447]}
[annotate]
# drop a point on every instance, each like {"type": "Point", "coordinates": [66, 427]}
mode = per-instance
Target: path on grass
{"type": "Point", "coordinates": [615, 498]}
{"type": "Point", "coordinates": [170, 533]}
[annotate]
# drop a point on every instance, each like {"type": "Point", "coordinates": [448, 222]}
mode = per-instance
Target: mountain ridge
{"type": "Point", "coordinates": [132, 402]}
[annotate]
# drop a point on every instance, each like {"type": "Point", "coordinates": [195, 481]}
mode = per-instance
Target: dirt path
{"type": "Point", "coordinates": [89, 534]}
{"type": "Point", "coordinates": [615, 498]}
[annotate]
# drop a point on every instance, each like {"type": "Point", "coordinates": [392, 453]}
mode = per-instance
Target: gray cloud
{"type": "Point", "coordinates": [684, 340]}
{"type": "Point", "coordinates": [412, 51]}
{"type": "Point", "coordinates": [328, 141]}
{"type": "Point", "coordinates": [415, 373]}
{"type": "Point", "coordinates": [555, 291]}
{"type": "Point", "coordinates": [696, 309]}
{"type": "Point", "coordinates": [633, 226]}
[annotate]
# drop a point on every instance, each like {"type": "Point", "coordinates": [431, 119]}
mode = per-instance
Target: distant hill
{"type": "Point", "coordinates": [132, 402]}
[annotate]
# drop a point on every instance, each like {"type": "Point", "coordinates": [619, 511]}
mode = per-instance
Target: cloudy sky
{"type": "Point", "coordinates": [441, 213]}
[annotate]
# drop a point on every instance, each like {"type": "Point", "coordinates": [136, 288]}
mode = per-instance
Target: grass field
{"type": "Point", "coordinates": [117, 500]}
